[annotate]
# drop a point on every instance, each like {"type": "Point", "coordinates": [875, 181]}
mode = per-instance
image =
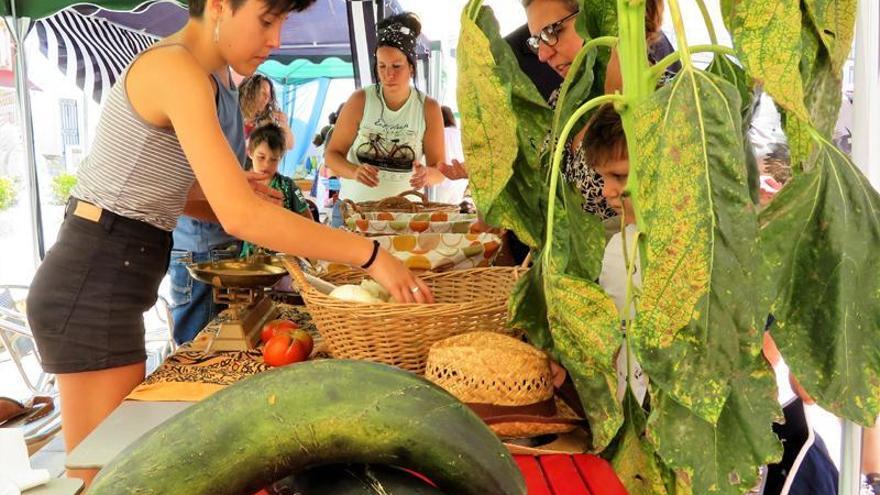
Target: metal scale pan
{"type": "Point", "coordinates": [242, 274]}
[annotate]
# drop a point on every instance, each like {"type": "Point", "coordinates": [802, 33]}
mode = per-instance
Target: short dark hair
{"type": "Point", "coordinates": [271, 134]}
{"type": "Point", "coordinates": [604, 140]}
{"type": "Point", "coordinates": [448, 116]}
{"type": "Point", "coordinates": [197, 7]}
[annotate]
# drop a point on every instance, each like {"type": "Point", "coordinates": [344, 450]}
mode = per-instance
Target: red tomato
{"type": "Point", "coordinates": [282, 350]}
{"type": "Point", "coordinates": [306, 339]}
{"type": "Point", "coordinates": [275, 327]}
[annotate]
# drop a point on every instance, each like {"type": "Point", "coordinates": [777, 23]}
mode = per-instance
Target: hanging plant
{"type": "Point", "coordinates": [713, 266]}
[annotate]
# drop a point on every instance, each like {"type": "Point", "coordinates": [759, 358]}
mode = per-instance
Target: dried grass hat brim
{"type": "Point", "coordinates": [563, 420]}
{"type": "Point", "coordinates": [507, 382]}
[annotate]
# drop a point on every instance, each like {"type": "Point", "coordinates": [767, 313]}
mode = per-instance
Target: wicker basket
{"type": "Point", "coordinates": [395, 204]}
{"type": "Point", "coordinates": [401, 334]}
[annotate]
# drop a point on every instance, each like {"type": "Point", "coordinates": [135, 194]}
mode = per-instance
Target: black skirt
{"type": "Point", "coordinates": [86, 302]}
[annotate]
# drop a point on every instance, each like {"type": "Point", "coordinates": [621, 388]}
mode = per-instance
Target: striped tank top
{"type": "Point", "coordinates": [134, 169]}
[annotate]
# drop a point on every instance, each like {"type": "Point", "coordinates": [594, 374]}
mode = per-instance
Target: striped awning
{"type": "Point", "coordinates": [89, 49]}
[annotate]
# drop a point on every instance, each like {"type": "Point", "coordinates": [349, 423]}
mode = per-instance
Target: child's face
{"type": "Point", "coordinates": [265, 159]}
{"type": "Point", "coordinates": [615, 173]}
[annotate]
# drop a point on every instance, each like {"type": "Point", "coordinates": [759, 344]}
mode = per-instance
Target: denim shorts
{"type": "Point", "coordinates": [86, 302]}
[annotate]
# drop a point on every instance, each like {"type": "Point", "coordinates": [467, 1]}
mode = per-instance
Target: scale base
{"type": "Point", "coordinates": [242, 333]}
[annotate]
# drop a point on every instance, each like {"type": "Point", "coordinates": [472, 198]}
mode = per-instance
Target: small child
{"type": "Point", "coordinates": [265, 151]}
{"type": "Point", "coordinates": [605, 148]}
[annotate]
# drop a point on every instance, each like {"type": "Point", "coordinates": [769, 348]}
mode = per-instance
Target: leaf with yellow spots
{"type": "Point", "coordinates": [507, 191]}
{"type": "Point", "coordinates": [822, 98]}
{"type": "Point", "coordinates": [819, 239]}
{"type": "Point", "coordinates": [724, 458]}
{"type": "Point", "coordinates": [488, 122]}
{"type": "Point", "coordinates": [635, 462]}
{"type": "Point", "coordinates": [586, 336]}
{"type": "Point", "coordinates": [766, 36]}
{"type": "Point", "coordinates": [700, 234]}
{"type": "Point", "coordinates": [834, 21]}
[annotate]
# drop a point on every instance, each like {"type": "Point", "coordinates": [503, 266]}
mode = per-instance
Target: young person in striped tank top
{"type": "Point", "coordinates": [159, 152]}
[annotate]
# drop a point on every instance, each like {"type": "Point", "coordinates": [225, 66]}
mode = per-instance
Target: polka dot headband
{"type": "Point", "coordinates": [401, 37]}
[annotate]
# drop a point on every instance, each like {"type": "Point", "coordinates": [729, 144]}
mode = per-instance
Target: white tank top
{"type": "Point", "coordinates": [389, 140]}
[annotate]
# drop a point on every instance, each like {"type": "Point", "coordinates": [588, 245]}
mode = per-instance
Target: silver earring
{"type": "Point", "coordinates": [217, 31]}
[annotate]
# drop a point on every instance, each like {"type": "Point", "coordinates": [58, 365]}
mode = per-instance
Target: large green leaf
{"type": "Point", "coordinates": [599, 17]}
{"type": "Point", "coordinates": [766, 36]}
{"type": "Point", "coordinates": [822, 98]}
{"type": "Point", "coordinates": [700, 228]}
{"type": "Point", "coordinates": [487, 116]}
{"type": "Point", "coordinates": [634, 461]}
{"type": "Point", "coordinates": [586, 335]}
{"type": "Point", "coordinates": [510, 195]}
{"type": "Point", "coordinates": [734, 74]}
{"type": "Point", "coordinates": [528, 307]}
{"type": "Point", "coordinates": [724, 458]}
{"type": "Point", "coordinates": [834, 21]}
{"type": "Point", "coordinates": [819, 239]}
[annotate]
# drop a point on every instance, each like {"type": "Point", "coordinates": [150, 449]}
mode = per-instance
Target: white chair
{"type": "Point", "coordinates": [18, 341]}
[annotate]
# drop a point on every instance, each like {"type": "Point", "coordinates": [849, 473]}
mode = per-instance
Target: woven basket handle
{"type": "Point", "coordinates": [414, 192]}
{"type": "Point", "coordinates": [351, 204]}
{"type": "Point", "coordinates": [291, 263]}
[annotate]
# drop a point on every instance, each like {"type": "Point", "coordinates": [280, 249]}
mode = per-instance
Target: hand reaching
{"type": "Point", "coordinates": [419, 177]}
{"type": "Point", "coordinates": [259, 183]}
{"type": "Point", "coordinates": [367, 175]}
{"type": "Point", "coordinates": [401, 283]}
{"type": "Point", "coordinates": [454, 171]}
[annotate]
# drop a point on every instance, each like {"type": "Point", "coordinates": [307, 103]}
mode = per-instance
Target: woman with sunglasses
{"type": "Point", "coordinates": [556, 43]}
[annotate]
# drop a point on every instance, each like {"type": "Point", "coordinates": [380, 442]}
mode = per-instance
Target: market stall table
{"type": "Point", "coordinates": [562, 474]}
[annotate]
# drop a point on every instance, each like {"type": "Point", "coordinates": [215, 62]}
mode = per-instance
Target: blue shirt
{"type": "Point", "coordinates": [192, 234]}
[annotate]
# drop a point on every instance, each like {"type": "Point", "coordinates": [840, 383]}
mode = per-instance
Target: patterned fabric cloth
{"type": "Point", "coordinates": [576, 172]}
{"type": "Point", "coordinates": [384, 223]}
{"type": "Point", "coordinates": [435, 252]}
{"type": "Point", "coordinates": [190, 375]}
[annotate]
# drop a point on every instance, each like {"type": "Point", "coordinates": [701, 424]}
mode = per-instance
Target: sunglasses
{"type": "Point", "coordinates": [549, 35]}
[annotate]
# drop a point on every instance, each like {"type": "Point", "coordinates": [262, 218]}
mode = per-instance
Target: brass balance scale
{"type": "Point", "coordinates": [242, 285]}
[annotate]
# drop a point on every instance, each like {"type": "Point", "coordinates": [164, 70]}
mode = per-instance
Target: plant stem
{"type": "Point", "coordinates": [632, 48]}
{"type": "Point", "coordinates": [679, 34]}
{"type": "Point", "coordinates": [661, 66]}
{"type": "Point", "coordinates": [707, 19]}
{"type": "Point", "coordinates": [627, 317]}
{"type": "Point", "coordinates": [558, 151]}
{"type": "Point", "coordinates": [473, 9]}
{"type": "Point", "coordinates": [608, 41]}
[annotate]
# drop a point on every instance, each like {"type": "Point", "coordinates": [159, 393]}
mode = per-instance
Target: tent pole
{"type": "Point", "coordinates": [362, 33]}
{"type": "Point", "coordinates": [866, 99]}
{"type": "Point", "coordinates": [19, 31]}
{"type": "Point", "coordinates": [866, 126]}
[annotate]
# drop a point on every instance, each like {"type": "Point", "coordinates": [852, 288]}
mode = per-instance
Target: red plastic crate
{"type": "Point", "coordinates": [580, 474]}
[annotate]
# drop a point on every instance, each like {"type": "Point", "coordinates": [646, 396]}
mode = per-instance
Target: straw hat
{"type": "Point", "coordinates": [508, 383]}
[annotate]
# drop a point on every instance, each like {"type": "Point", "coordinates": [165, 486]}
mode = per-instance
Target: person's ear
{"type": "Point", "coordinates": [214, 9]}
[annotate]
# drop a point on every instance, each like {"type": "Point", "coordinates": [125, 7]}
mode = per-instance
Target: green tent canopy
{"type": "Point", "coordinates": [301, 70]}
{"type": "Point", "coordinates": [36, 9]}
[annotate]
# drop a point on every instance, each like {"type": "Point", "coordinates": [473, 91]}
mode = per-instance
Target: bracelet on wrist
{"type": "Point", "coordinates": [373, 255]}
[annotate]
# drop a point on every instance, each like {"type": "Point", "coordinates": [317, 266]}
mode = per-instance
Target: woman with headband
{"type": "Point", "coordinates": [389, 131]}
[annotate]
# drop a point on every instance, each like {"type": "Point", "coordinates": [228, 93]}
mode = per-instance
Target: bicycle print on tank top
{"type": "Point", "coordinates": [386, 147]}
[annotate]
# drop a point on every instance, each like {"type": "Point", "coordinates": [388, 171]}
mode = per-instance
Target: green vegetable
{"type": "Point", "coordinates": [311, 414]}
